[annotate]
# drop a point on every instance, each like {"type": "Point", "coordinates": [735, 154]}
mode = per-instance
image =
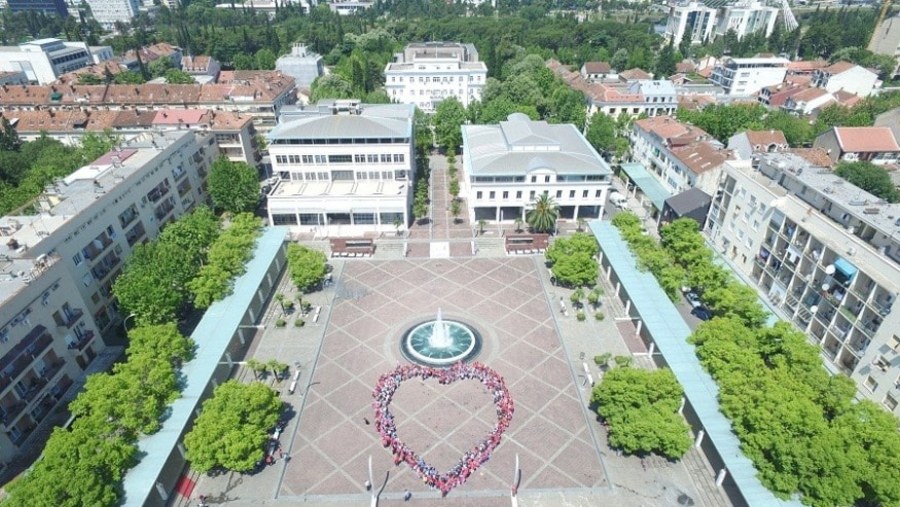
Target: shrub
{"type": "Point", "coordinates": [580, 316]}
{"type": "Point", "coordinates": [599, 316]}
{"type": "Point", "coordinates": [280, 323]}
{"type": "Point", "coordinates": [602, 359]}
{"type": "Point", "coordinates": [299, 323]}
{"type": "Point", "coordinates": [623, 361]}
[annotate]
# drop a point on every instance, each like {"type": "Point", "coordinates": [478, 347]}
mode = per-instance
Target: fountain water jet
{"type": "Point", "coordinates": [440, 342]}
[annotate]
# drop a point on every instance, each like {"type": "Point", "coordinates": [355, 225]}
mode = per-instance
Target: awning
{"type": "Point", "coordinates": [845, 267]}
{"type": "Point", "coordinates": [648, 184]}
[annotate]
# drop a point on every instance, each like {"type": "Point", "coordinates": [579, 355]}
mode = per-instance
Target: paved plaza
{"type": "Point", "coordinates": [561, 446]}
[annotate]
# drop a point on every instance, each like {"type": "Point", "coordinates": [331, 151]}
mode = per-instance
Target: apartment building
{"type": "Point", "coordinates": [234, 133]}
{"type": "Point", "coordinates": [508, 165]}
{"type": "Point", "coordinates": [826, 255]}
{"type": "Point", "coordinates": [679, 155]}
{"type": "Point", "coordinates": [345, 168]}
{"type": "Point", "coordinates": [851, 144]}
{"type": "Point", "coordinates": [109, 12]}
{"type": "Point", "coordinates": [258, 94]}
{"type": "Point", "coordinates": [57, 267]}
{"type": "Point", "coordinates": [426, 73]}
{"type": "Point", "coordinates": [743, 77]}
{"type": "Point", "coordinates": [44, 60]}
{"type": "Point", "coordinates": [57, 7]}
{"type": "Point", "coordinates": [705, 20]}
{"type": "Point", "coordinates": [847, 77]}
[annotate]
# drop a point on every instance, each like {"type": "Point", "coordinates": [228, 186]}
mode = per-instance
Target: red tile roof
{"type": "Point", "coordinates": [597, 67]}
{"type": "Point", "coordinates": [634, 75]}
{"type": "Point", "coordinates": [866, 139]}
{"type": "Point", "coordinates": [671, 130]}
{"type": "Point", "coordinates": [701, 157]}
{"type": "Point", "coordinates": [838, 67]}
{"type": "Point", "coordinates": [766, 137]}
{"type": "Point", "coordinates": [815, 156]}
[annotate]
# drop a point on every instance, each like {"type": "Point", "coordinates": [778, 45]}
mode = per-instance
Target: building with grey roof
{"type": "Point", "coordinates": [43, 60]}
{"type": "Point", "coordinates": [825, 255]}
{"type": "Point", "coordinates": [58, 265]}
{"type": "Point", "coordinates": [301, 64]}
{"type": "Point", "coordinates": [508, 165]}
{"type": "Point", "coordinates": [426, 73]}
{"type": "Point", "coordinates": [343, 168]}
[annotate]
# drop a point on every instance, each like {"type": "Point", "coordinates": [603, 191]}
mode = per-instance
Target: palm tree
{"type": "Point", "coordinates": [543, 214]}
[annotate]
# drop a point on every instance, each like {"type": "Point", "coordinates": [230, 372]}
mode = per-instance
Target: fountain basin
{"type": "Point", "coordinates": [457, 342]}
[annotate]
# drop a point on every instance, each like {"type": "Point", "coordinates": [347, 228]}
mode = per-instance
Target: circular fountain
{"type": "Point", "coordinates": [440, 342]}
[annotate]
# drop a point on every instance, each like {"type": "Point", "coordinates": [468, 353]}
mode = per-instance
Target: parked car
{"type": "Point", "coordinates": [618, 200]}
{"type": "Point", "coordinates": [693, 299]}
{"type": "Point", "coordinates": [701, 312]}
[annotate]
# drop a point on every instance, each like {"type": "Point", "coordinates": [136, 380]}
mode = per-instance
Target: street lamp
{"type": "Point", "coordinates": [125, 321]}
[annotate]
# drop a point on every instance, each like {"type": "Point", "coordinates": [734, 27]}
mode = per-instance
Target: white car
{"type": "Point", "coordinates": [618, 200]}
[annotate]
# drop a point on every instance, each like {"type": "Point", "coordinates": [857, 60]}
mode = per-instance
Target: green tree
{"type": "Point", "coordinates": [265, 59]}
{"type": "Point", "coordinates": [665, 61]}
{"type": "Point", "coordinates": [163, 342]}
{"type": "Point", "coordinates": [566, 246]}
{"type": "Point", "coordinates": [89, 79]}
{"type": "Point", "coordinates": [308, 266]}
{"type": "Point", "coordinates": [129, 77]}
{"type": "Point", "coordinates": [233, 186]}
{"type": "Point", "coordinates": [330, 86]}
{"type": "Point", "coordinates": [869, 177]}
{"type": "Point", "coordinates": [641, 408]}
{"type": "Point", "coordinates": [601, 133]}
{"type": "Point", "coordinates": [543, 214]}
{"type": "Point", "coordinates": [576, 270]}
{"type": "Point", "coordinates": [735, 299]}
{"type": "Point", "coordinates": [226, 259]}
{"type": "Point", "coordinates": [233, 427]}
{"type": "Point", "coordinates": [448, 118]}
{"type": "Point", "coordinates": [9, 138]}
{"type": "Point", "coordinates": [175, 76]}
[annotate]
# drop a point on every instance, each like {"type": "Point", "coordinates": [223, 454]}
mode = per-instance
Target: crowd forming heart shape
{"type": "Point", "coordinates": [384, 420]}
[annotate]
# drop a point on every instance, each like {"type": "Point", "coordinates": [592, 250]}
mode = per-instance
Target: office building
{"type": "Point", "coordinates": [703, 21]}
{"type": "Point", "coordinates": [426, 73]}
{"type": "Point", "coordinates": [743, 77]}
{"type": "Point", "coordinates": [508, 165]}
{"type": "Point", "coordinates": [57, 267]}
{"type": "Point", "coordinates": [57, 7]}
{"type": "Point", "coordinates": [826, 256]}
{"type": "Point", "coordinates": [44, 60]}
{"type": "Point", "coordinates": [301, 64]}
{"type": "Point", "coordinates": [345, 168]}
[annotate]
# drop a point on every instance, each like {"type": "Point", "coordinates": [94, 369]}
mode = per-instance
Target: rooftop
{"type": "Point", "coordinates": [597, 67]}
{"type": "Point", "coordinates": [672, 131]}
{"type": "Point", "coordinates": [688, 201]}
{"type": "Point", "coordinates": [635, 75]}
{"type": "Point", "coordinates": [701, 157]}
{"type": "Point", "coordinates": [866, 139]}
{"type": "Point", "coordinates": [839, 67]}
{"type": "Point", "coordinates": [323, 121]}
{"type": "Point", "coordinates": [859, 203]}
{"type": "Point", "coordinates": [765, 137]}
{"type": "Point", "coordinates": [77, 121]}
{"type": "Point", "coordinates": [519, 145]}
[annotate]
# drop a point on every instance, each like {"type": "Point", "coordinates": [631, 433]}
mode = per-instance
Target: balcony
{"type": "Point", "coordinates": [96, 247]}
{"type": "Point", "coordinates": [184, 187]}
{"type": "Point", "coordinates": [52, 370]}
{"type": "Point", "coordinates": [178, 173]}
{"type": "Point", "coordinates": [68, 318]}
{"type": "Point", "coordinates": [34, 388]}
{"type": "Point", "coordinates": [82, 341]}
{"type": "Point", "coordinates": [103, 269]}
{"type": "Point", "coordinates": [159, 192]}
{"type": "Point", "coordinates": [43, 408]}
{"type": "Point", "coordinates": [23, 354]}
{"type": "Point", "coordinates": [136, 233]}
{"type": "Point", "coordinates": [128, 216]}
{"type": "Point", "coordinates": [59, 390]}
{"type": "Point", "coordinates": [11, 413]}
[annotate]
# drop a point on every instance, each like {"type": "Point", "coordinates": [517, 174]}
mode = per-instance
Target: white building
{"type": "Point", "coordinates": [679, 155]}
{"type": "Point", "coordinates": [345, 168]}
{"type": "Point", "coordinates": [834, 274]}
{"type": "Point", "coordinates": [57, 267]}
{"type": "Point", "coordinates": [508, 165]}
{"type": "Point", "coordinates": [848, 77]}
{"type": "Point", "coordinates": [348, 7]}
{"type": "Point", "coordinates": [44, 60]}
{"type": "Point", "coordinates": [427, 73]}
{"type": "Point", "coordinates": [108, 12]}
{"type": "Point", "coordinates": [742, 77]}
{"type": "Point", "coordinates": [704, 21]}
{"type": "Point", "coordinates": [301, 64]}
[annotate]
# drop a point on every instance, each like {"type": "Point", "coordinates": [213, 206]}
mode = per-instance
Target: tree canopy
{"type": "Point", "coordinates": [308, 266]}
{"type": "Point", "coordinates": [233, 427]}
{"type": "Point", "coordinates": [233, 186]}
{"type": "Point", "coordinates": [226, 259]}
{"type": "Point", "coordinates": [869, 177]}
{"type": "Point", "coordinates": [448, 118]}
{"type": "Point", "coordinates": [641, 408]}
{"type": "Point", "coordinates": [543, 214]}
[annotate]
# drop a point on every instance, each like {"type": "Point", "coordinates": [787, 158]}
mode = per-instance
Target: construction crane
{"type": "Point", "coordinates": [790, 22]}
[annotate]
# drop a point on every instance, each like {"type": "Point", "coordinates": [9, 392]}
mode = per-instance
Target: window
{"type": "Point", "coordinates": [361, 175]}
{"type": "Point", "coordinates": [359, 159]}
{"type": "Point", "coordinates": [584, 194]}
{"type": "Point", "coordinates": [293, 159]}
{"type": "Point", "coordinates": [309, 219]}
{"type": "Point", "coordinates": [364, 218]}
{"type": "Point", "coordinates": [479, 194]}
{"type": "Point", "coordinates": [518, 194]}
{"type": "Point", "coordinates": [372, 159]}
{"type": "Point", "coordinates": [598, 193]}
{"type": "Point", "coordinates": [531, 194]}
{"type": "Point", "coordinates": [534, 179]}
{"type": "Point", "coordinates": [77, 259]}
{"type": "Point", "coordinates": [284, 219]}
{"type": "Point", "coordinates": [890, 403]}
{"type": "Point", "coordinates": [307, 159]}
{"type": "Point", "coordinates": [571, 194]}
{"type": "Point", "coordinates": [340, 159]}
{"type": "Point", "coordinates": [559, 194]}
{"type": "Point", "coordinates": [871, 384]}
{"type": "Point", "coordinates": [320, 159]}
{"type": "Point", "coordinates": [505, 194]}
{"type": "Point", "coordinates": [492, 195]}
{"type": "Point", "coordinates": [385, 158]}
{"type": "Point", "coordinates": [547, 179]}
{"type": "Point", "coordinates": [399, 158]}
{"type": "Point", "coordinates": [342, 175]}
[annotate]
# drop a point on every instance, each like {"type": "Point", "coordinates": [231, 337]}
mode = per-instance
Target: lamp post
{"type": "Point", "coordinates": [125, 322]}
